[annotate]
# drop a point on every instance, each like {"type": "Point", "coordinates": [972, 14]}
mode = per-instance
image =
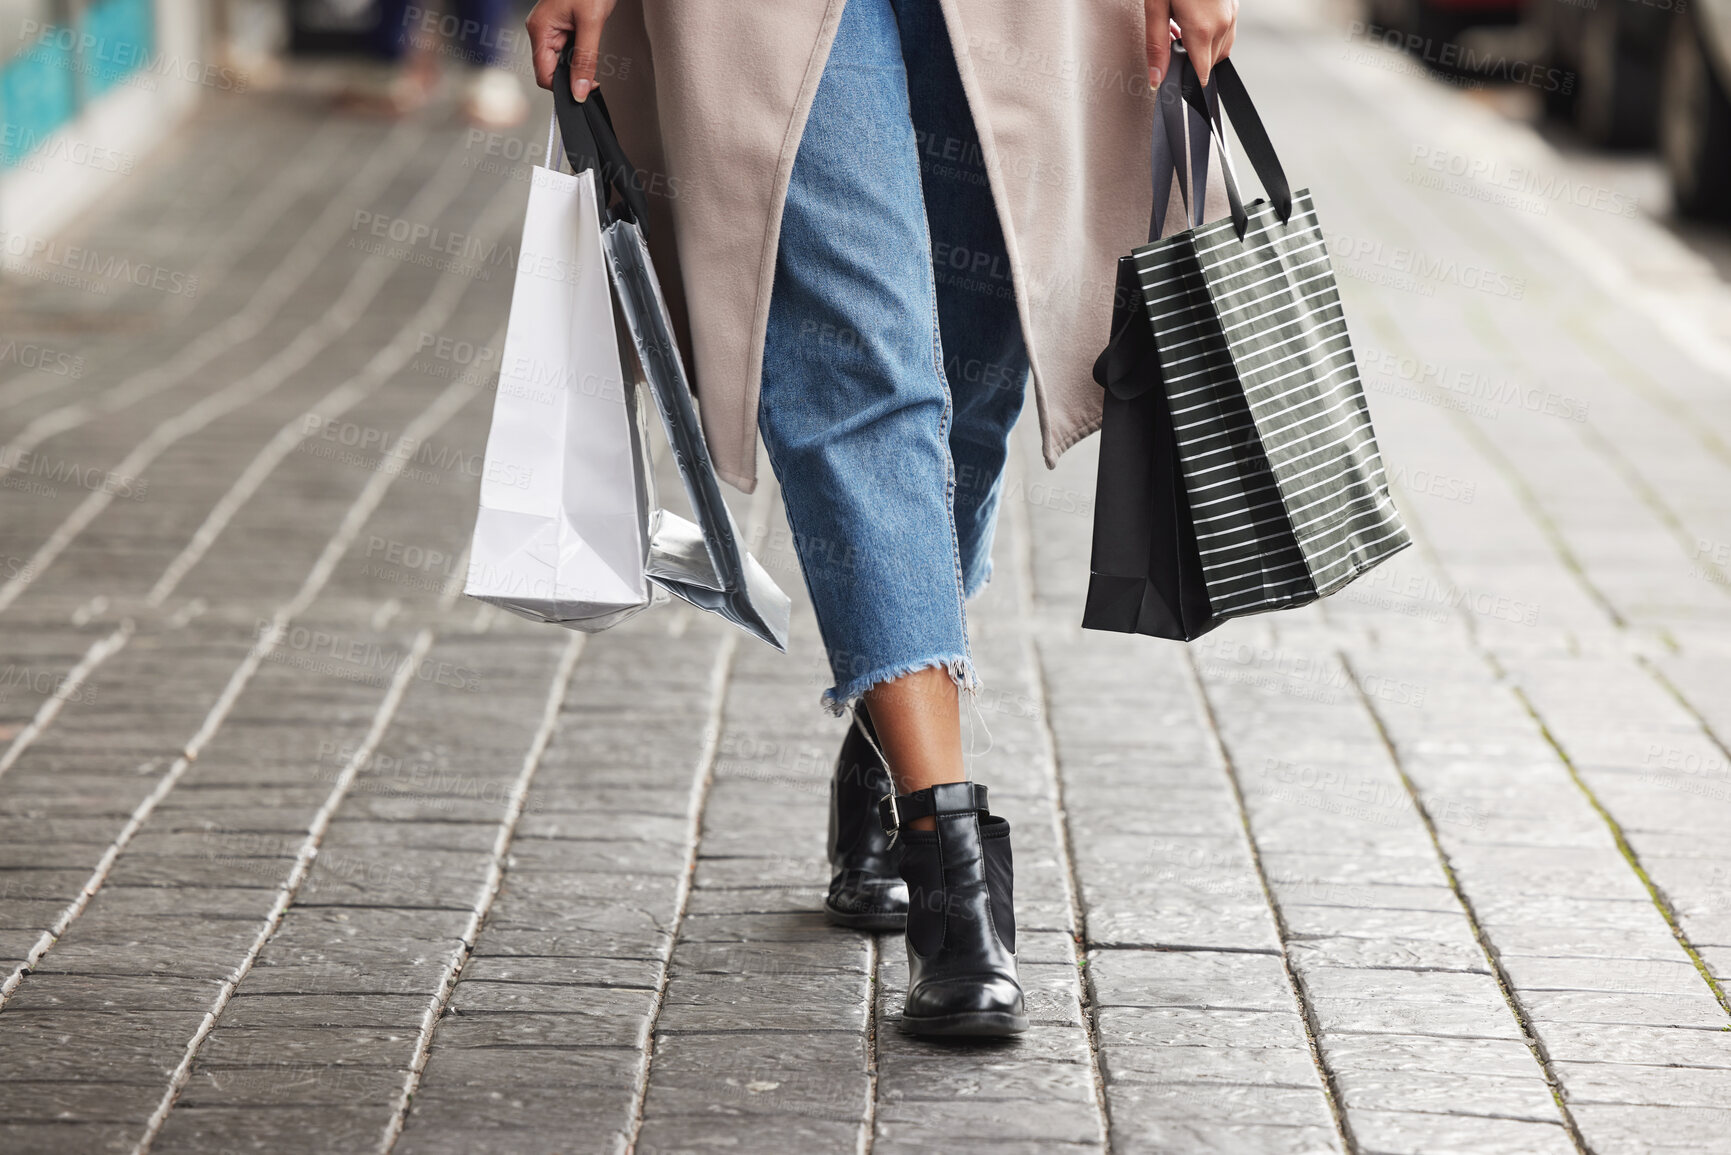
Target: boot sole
{"type": "Point", "coordinates": [874, 921]}
{"type": "Point", "coordinates": [968, 1024]}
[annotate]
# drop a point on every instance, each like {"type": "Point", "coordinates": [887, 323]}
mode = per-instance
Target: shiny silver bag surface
{"type": "Point", "coordinates": [703, 563]}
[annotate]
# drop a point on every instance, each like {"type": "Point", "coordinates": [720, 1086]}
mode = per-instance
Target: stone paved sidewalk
{"type": "Point", "coordinates": [1437, 865]}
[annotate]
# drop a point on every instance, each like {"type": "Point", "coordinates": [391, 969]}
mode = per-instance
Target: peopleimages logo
{"type": "Point", "coordinates": [18, 140]}
{"type": "Point", "coordinates": [1542, 187]}
{"type": "Point", "coordinates": [29, 355]}
{"type": "Point", "coordinates": [1449, 54]}
{"type": "Point", "coordinates": [1468, 384]}
{"type": "Point", "coordinates": [79, 259]}
{"type": "Point", "coordinates": [1426, 266]}
{"type": "Point", "coordinates": [20, 465]}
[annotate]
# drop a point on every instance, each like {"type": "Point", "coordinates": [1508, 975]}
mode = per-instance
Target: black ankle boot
{"type": "Point", "coordinates": [865, 892]}
{"type": "Point", "coordinates": [961, 918]}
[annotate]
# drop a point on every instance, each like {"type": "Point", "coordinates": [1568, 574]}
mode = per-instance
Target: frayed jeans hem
{"type": "Point", "coordinates": [838, 700]}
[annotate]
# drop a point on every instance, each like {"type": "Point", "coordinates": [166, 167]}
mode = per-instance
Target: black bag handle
{"type": "Point", "coordinates": [591, 144]}
{"type": "Point", "coordinates": [1167, 143]}
{"type": "Point", "coordinates": [1236, 100]}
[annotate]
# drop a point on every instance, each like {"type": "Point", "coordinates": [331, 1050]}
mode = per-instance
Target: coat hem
{"type": "Point", "coordinates": [1059, 446]}
{"type": "Point", "coordinates": [744, 482]}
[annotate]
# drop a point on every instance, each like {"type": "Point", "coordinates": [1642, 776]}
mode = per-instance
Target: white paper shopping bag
{"type": "Point", "coordinates": [562, 534]}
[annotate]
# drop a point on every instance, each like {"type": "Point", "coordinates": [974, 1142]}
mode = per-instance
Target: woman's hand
{"type": "Point", "coordinates": [1207, 27]}
{"type": "Point", "coordinates": [554, 22]}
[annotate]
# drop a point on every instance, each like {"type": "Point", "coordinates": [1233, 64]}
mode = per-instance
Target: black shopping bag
{"type": "Point", "coordinates": [1147, 576]}
{"type": "Point", "coordinates": [1277, 495]}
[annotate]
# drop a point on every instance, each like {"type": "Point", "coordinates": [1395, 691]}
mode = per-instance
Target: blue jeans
{"type": "Point", "coordinates": [893, 369]}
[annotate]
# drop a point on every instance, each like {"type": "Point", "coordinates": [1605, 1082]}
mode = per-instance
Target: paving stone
{"type": "Point", "coordinates": [339, 1046]}
{"type": "Point", "coordinates": [263, 873]}
{"type": "Point", "coordinates": [775, 1073]}
{"type": "Point", "coordinates": [474, 1071]}
{"type": "Point", "coordinates": [1682, 1010]}
{"type": "Point", "coordinates": [1152, 1131]}
{"type": "Point", "coordinates": [829, 954]}
{"type": "Point", "coordinates": [1409, 1002]}
{"type": "Point", "coordinates": [374, 1011]}
{"type": "Point", "coordinates": [504, 942]}
{"type": "Point", "coordinates": [610, 1019]}
{"type": "Point", "coordinates": [1661, 1044]}
{"type": "Point", "coordinates": [1289, 1065]}
{"type": "Point", "coordinates": [1655, 1128]}
{"type": "Point", "coordinates": [1202, 979]}
{"type": "Point", "coordinates": [1391, 952]}
{"type": "Point", "coordinates": [625, 973]}
{"type": "Point", "coordinates": [523, 1119]}
{"type": "Point", "coordinates": [67, 1138]}
{"type": "Point", "coordinates": [753, 1002]}
{"type": "Point", "coordinates": [747, 900]}
{"type": "Point", "coordinates": [50, 990]}
{"type": "Point", "coordinates": [755, 872]}
{"type": "Point", "coordinates": [1525, 1095]}
{"type": "Point", "coordinates": [565, 855]}
{"type": "Point", "coordinates": [81, 1101]}
{"type": "Point", "coordinates": [902, 1141]}
{"type": "Point", "coordinates": [54, 1044]}
{"type": "Point", "coordinates": [670, 1134]}
{"type": "Point", "coordinates": [501, 1141]}
{"type": "Point", "coordinates": [1667, 1086]}
{"type": "Point", "coordinates": [987, 1120]}
{"type": "Point", "coordinates": [1418, 1133]}
{"type": "Point", "coordinates": [285, 1084]}
{"type": "Point", "coordinates": [25, 915]}
{"type": "Point", "coordinates": [272, 1129]}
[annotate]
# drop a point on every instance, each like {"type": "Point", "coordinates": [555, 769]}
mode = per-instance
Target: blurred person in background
{"type": "Point", "coordinates": [476, 33]}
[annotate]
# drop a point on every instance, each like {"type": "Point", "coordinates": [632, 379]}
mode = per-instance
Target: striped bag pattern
{"type": "Point", "coordinates": [1285, 484]}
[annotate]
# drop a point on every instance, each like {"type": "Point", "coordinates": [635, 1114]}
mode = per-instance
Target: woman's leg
{"type": "Point", "coordinates": [985, 367]}
{"type": "Point", "coordinates": [856, 412]}
{"type": "Point", "coordinates": [857, 415]}
{"type": "Point", "coordinates": [985, 361]}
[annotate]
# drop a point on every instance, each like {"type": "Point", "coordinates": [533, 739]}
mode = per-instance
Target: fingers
{"type": "Point", "coordinates": [554, 23]}
{"type": "Point", "coordinates": [1157, 30]}
{"type": "Point", "coordinates": [548, 30]}
{"type": "Point", "coordinates": [1207, 28]}
{"type": "Point", "coordinates": [546, 58]}
{"type": "Point", "coordinates": [585, 58]}
{"type": "Point", "coordinates": [1202, 54]}
{"type": "Point", "coordinates": [1218, 48]}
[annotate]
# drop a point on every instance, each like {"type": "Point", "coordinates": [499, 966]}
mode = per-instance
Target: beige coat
{"type": "Point", "coordinates": [710, 98]}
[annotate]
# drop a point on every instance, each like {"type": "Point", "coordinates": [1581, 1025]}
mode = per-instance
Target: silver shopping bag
{"type": "Point", "coordinates": [704, 564]}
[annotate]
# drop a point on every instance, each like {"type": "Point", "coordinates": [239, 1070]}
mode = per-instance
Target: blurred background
{"type": "Point", "coordinates": [1614, 74]}
{"type": "Point", "coordinates": [1640, 83]}
{"type": "Point", "coordinates": [89, 87]}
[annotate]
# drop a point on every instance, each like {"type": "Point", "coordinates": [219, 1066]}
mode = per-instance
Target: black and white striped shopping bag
{"type": "Point", "coordinates": [1272, 442]}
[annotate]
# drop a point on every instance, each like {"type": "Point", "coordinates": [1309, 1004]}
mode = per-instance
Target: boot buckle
{"type": "Point", "coordinates": [889, 816]}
